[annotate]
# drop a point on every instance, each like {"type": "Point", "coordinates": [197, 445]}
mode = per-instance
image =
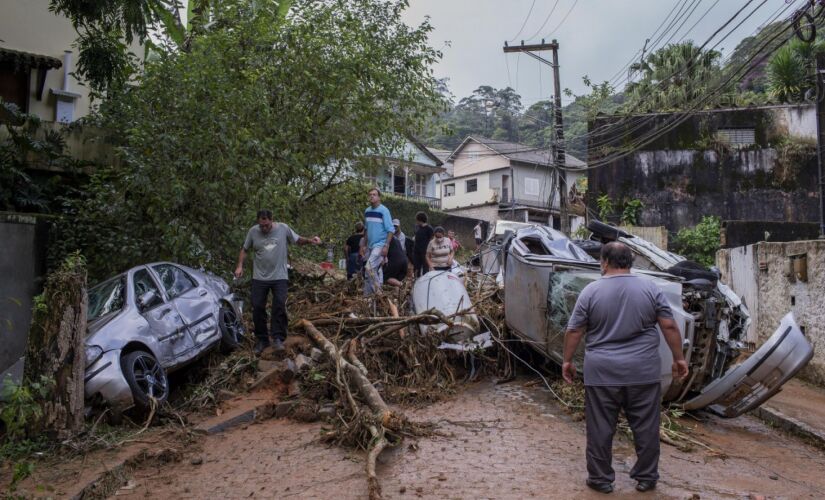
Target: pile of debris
{"type": "Point", "coordinates": [349, 358]}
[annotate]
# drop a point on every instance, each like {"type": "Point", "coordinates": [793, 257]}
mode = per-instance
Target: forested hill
{"type": "Point", "coordinates": [770, 67]}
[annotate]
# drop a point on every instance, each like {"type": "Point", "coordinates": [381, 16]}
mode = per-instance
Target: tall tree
{"type": "Point", "coordinates": [672, 77]}
{"type": "Point", "coordinates": [791, 70]}
{"type": "Point", "coordinates": [259, 113]}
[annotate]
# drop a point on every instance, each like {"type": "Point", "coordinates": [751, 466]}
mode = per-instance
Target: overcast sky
{"type": "Point", "coordinates": [598, 38]}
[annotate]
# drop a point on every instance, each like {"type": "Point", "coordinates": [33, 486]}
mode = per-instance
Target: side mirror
{"type": "Point", "coordinates": [146, 300]}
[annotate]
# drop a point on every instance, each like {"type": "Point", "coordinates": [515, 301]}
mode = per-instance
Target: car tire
{"type": "Point", "coordinates": [232, 331]}
{"type": "Point", "coordinates": [146, 378]}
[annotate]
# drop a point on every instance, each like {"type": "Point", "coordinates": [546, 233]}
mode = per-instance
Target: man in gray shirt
{"type": "Point", "coordinates": [270, 241]}
{"type": "Point", "coordinates": [617, 315]}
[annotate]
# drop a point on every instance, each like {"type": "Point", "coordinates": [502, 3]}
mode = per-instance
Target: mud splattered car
{"type": "Point", "coordinates": [544, 272]}
{"type": "Point", "coordinates": [149, 321]}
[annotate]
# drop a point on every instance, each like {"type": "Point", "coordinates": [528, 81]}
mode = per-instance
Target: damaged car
{"type": "Point", "coordinates": [544, 272]}
{"type": "Point", "coordinates": [149, 321]}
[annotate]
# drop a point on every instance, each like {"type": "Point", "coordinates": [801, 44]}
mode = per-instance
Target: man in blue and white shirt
{"type": "Point", "coordinates": [378, 231]}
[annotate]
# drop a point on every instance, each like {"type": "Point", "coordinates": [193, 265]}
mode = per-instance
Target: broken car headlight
{"type": "Point", "coordinates": [93, 353]}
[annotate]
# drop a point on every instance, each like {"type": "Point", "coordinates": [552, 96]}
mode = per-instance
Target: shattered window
{"type": "Point", "coordinates": [174, 280]}
{"type": "Point", "coordinates": [106, 298]}
{"type": "Point", "coordinates": [143, 283]}
{"type": "Point", "coordinates": [562, 292]}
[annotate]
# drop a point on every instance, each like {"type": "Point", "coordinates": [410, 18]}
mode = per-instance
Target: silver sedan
{"type": "Point", "coordinates": [149, 321]}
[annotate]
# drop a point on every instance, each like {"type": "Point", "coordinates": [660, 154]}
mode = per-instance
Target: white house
{"type": "Point", "coordinates": [411, 174]}
{"type": "Point", "coordinates": [495, 180]}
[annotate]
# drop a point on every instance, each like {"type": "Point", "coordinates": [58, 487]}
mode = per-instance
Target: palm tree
{"type": "Point", "coordinates": [672, 77]}
{"type": "Point", "coordinates": [790, 70]}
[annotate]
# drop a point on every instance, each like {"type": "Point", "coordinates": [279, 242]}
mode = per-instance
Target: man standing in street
{"type": "Point", "coordinates": [270, 241]}
{"type": "Point", "coordinates": [378, 235]}
{"type": "Point", "coordinates": [617, 315]}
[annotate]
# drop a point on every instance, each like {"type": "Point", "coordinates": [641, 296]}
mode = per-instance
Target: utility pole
{"type": "Point", "coordinates": [820, 137]}
{"type": "Point", "coordinates": [558, 135]}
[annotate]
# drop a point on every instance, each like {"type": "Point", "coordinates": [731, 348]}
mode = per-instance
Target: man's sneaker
{"type": "Point", "coordinates": [645, 486]}
{"type": "Point", "coordinates": [600, 487]}
{"type": "Point", "coordinates": [278, 346]}
{"type": "Point", "coordinates": [260, 345]}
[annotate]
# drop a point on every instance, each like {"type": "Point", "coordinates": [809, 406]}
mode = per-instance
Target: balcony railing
{"type": "Point", "coordinates": [432, 202]}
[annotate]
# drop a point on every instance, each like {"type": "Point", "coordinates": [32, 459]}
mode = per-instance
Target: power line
{"type": "Point", "coordinates": [563, 19]}
{"type": "Point", "coordinates": [642, 120]}
{"type": "Point", "coordinates": [527, 18]}
{"type": "Point", "coordinates": [546, 20]}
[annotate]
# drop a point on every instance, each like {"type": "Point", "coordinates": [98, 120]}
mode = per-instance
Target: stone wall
{"type": "Point", "coordinates": [780, 290]}
{"type": "Point", "coordinates": [690, 171]}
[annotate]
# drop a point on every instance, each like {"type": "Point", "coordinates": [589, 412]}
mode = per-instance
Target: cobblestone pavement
{"type": "Point", "coordinates": [503, 441]}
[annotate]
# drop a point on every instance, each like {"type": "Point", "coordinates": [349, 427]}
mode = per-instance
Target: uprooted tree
{"type": "Point", "coordinates": [262, 111]}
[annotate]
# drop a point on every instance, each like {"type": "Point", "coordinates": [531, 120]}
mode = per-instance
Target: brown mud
{"type": "Point", "coordinates": [493, 441]}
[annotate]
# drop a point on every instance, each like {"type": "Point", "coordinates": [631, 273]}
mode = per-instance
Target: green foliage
{"type": "Point", "coordinates": [22, 406]}
{"type": "Point", "coordinates": [632, 210]}
{"type": "Point", "coordinates": [261, 112]}
{"type": "Point", "coordinates": [25, 144]}
{"type": "Point", "coordinates": [790, 70]}
{"type": "Point", "coordinates": [605, 206]}
{"type": "Point", "coordinates": [581, 233]}
{"type": "Point", "coordinates": [700, 242]}
{"type": "Point", "coordinates": [106, 28]}
{"type": "Point", "coordinates": [580, 113]}
{"type": "Point", "coordinates": [672, 77]}
{"type": "Point", "coordinates": [489, 112]}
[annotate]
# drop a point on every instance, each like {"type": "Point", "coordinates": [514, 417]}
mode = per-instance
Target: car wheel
{"type": "Point", "coordinates": [146, 377]}
{"type": "Point", "coordinates": [232, 331]}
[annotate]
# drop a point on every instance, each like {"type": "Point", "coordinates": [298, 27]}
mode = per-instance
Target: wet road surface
{"type": "Point", "coordinates": [497, 441]}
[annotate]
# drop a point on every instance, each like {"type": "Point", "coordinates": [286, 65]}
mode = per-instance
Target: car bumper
{"type": "Point", "coordinates": [105, 377]}
{"type": "Point", "coordinates": [762, 375]}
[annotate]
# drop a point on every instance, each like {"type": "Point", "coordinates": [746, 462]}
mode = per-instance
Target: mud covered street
{"type": "Point", "coordinates": [494, 441]}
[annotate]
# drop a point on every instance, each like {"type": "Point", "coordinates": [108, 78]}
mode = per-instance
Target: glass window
{"type": "Point", "coordinates": [143, 283]}
{"type": "Point", "coordinates": [472, 186]}
{"type": "Point", "coordinates": [449, 190]}
{"type": "Point", "coordinates": [105, 298]}
{"type": "Point", "coordinates": [174, 280]}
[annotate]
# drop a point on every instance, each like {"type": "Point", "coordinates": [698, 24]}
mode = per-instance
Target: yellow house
{"type": "Point", "coordinates": [37, 59]}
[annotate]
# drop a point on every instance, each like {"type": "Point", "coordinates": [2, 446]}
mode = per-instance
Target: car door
{"type": "Point", "coordinates": [197, 306]}
{"type": "Point", "coordinates": [751, 383]}
{"type": "Point", "coordinates": [165, 323]}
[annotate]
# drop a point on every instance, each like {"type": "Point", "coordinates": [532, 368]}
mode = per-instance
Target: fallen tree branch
{"type": "Point", "coordinates": [382, 414]}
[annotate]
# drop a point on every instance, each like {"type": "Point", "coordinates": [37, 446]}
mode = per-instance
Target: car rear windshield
{"type": "Point", "coordinates": [107, 297]}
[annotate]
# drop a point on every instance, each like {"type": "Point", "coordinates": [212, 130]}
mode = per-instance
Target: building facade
{"type": "Point", "coordinates": [37, 62]}
{"type": "Point", "coordinates": [502, 180]}
{"type": "Point", "coordinates": [411, 174]}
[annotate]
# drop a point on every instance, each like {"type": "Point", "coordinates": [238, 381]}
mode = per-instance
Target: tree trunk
{"type": "Point", "coordinates": [55, 352]}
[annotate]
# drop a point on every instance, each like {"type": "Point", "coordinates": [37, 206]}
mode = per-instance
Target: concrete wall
{"type": "Point", "coordinates": [687, 172]}
{"type": "Point", "coordinates": [779, 291]}
{"type": "Point", "coordinates": [488, 212]}
{"type": "Point", "coordinates": [22, 264]}
{"type": "Point", "coordinates": [483, 193]}
{"type": "Point", "coordinates": [28, 26]}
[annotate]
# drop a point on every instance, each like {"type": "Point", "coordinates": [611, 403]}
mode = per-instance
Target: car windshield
{"type": "Point", "coordinates": [107, 297]}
